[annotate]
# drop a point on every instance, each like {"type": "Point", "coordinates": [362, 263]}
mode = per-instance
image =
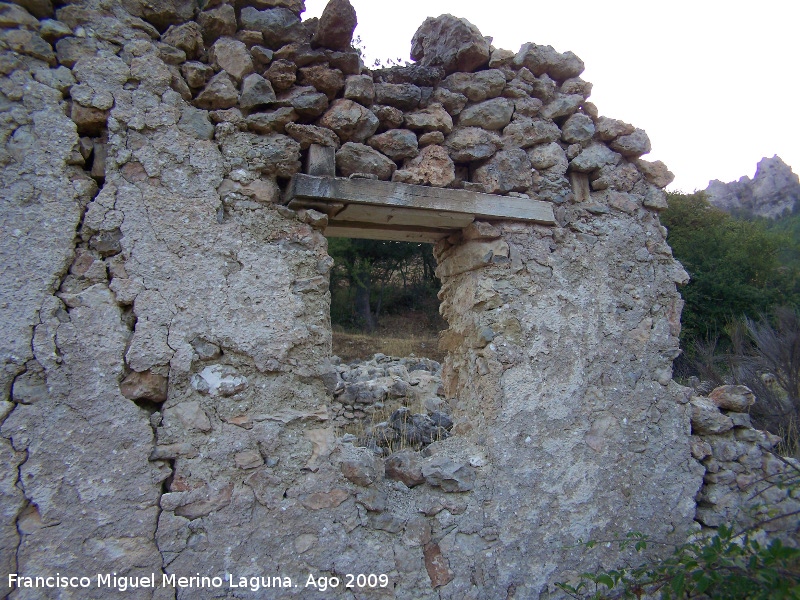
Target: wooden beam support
{"type": "Point", "coordinates": [392, 215]}
{"type": "Point", "coordinates": [385, 193]}
{"type": "Point", "coordinates": [329, 208]}
{"type": "Point", "coordinates": [371, 231]}
{"type": "Point", "coordinates": [321, 161]}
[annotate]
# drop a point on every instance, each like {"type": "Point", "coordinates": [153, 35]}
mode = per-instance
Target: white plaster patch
{"type": "Point", "coordinates": [219, 380]}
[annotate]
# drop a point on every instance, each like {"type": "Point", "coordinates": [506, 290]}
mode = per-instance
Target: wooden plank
{"type": "Point", "coordinates": [367, 191]}
{"type": "Point", "coordinates": [392, 215]}
{"type": "Point", "coordinates": [321, 160]}
{"type": "Point", "coordinates": [370, 231]}
{"type": "Point", "coordinates": [329, 208]}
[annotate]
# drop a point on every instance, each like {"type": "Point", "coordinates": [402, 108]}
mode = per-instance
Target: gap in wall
{"type": "Point", "coordinates": [386, 325]}
{"type": "Point", "coordinates": [384, 299]}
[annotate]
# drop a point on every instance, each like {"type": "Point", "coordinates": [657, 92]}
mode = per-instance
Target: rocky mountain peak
{"type": "Point", "coordinates": [774, 190]}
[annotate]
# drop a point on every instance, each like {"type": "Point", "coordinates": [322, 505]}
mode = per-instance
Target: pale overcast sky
{"type": "Point", "coordinates": [714, 83]}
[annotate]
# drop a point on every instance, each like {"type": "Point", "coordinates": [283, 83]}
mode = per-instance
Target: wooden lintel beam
{"type": "Point", "coordinates": [393, 216]}
{"type": "Point", "coordinates": [385, 193]}
{"type": "Point", "coordinates": [371, 231]}
{"type": "Point", "coordinates": [329, 208]}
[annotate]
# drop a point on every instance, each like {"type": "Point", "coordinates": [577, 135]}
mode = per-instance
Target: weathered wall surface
{"type": "Point", "coordinates": [166, 337]}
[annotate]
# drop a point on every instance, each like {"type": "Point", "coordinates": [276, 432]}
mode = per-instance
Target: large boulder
{"type": "Point", "coordinates": [492, 114]}
{"type": "Point", "coordinates": [336, 26]}
{"type": "Point", "coordinates": [358, 158]}
{"type": "Point", "coordinates": [545, 59]}
{"type": "Point", "coordinates": [433, 167]}
{"type": "Point", "coordinates": [397, 144]}
{"type": "Point", "coordinates": [350, 121]}
{"type": "Point", "coordinates": [455, 44]}
{"type": "Point", "coordinates": [279, 26]}
{"type": "Point", "coordinates": [467, 144]}
{"type": "Point", "coordinates": [507, 171]}
{"type": "Point", "coordinates": [161, 14]}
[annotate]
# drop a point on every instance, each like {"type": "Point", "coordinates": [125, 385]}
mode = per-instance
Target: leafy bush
{"type": "Point", "coordinates": [735, 265]}
{"type": "Point", "coordinates": [724, 566]}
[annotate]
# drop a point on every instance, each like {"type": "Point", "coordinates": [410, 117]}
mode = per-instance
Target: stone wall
{"type": "Point", "coordinates": [170, 404]}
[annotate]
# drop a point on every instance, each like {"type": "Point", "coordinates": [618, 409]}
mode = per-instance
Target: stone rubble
{"type": "Point", "coordinates": [169, 399]}
{"type": "Point", "coordinates": [745, 481]}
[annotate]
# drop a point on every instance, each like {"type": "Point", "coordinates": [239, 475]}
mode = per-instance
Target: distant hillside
{"type": "Point", "coordinates": [773, 192]}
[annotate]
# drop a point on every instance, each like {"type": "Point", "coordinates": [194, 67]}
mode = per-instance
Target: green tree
{"type": "Point", "coordinates": [734, 265]}
{"type": "Point", "coordinates": [366, 271]}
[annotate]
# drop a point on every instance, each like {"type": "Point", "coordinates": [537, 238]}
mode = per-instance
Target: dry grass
{"type": "Point", "coordinates": [790, 443]}
{"type": "Point", "coordinates": [396, 335]}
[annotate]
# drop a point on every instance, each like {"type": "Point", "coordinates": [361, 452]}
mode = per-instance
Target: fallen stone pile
{"type": "Point", "coordinates": [745, 481]}
{"type": "Point", "coordinates": [391, 402]}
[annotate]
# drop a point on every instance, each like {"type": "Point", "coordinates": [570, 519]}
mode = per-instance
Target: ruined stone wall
{"type": "Point", "coordinates": [168, 393]}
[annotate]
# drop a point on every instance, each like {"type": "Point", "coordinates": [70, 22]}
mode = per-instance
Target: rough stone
{"type": "Point", "coordinates": [656, 172]}
{"type": "Point", "coordinates": [358, 158]}
{"type": "Point", "coordinates": [437, 566]}
{"type": "Point", "coordinates": [448, 475]}
{"type": "Point", "coordinates": [388, 116]}
{"type": "Point", "coordinates": [706, 417]}
{"type": "Point", "coordinates": [634, 144]}
{"type": "Point", "coordinates": [471, 143]}
{"type": "Point", "coordinates": [578, 128]}
{"type": "Point", "coordinates": [196, 74]}
{"type": "Point", "coordinates": [271, 122]}
{"type": "Point", "coordinates": [433, 166]}
{"type": "Point", "coordinates": [12, 15]}
{"type": "Point", "coordinates": [452, 102]}
{"type": "Point", "coordinates": [361, 470]}
{"type": "Point", "coordinates": [455, 44]}
{"type": "Point", "coordinates": [160, 14]}
{"type": "Point", "coordinates": [506, 171]}
{"type": "Point", "coordinates": [524, 133]}
{"type": "Point", "coordinates": [187, 37]}
{"type": "Point", "coordinates": [594, 157]}
{"type": "Point", "coordinates": [256, 91]}
{"type": "Point", "coordinates": [545, 156]}
{"type": "Point", "coordinates": [266, 154]}
{"type": "Point", "coordinates": [491, 114]}
{"type": "Point", "coordinates": [216, 23]}
{"type": "Point", "coordinates": [404, 466]}
{"type": "Point", "coordinates": [307, 102]}
{"type": "Point", "coordinates": [261, 56]}
{"type": "Point", "coordinates": [282, 74]}
{"type": "Point", "coordinates": [52, 30]}
{"type": "Point", "coordinates": [232, 56]}
{"type": "Point", "coordinates": [405, 96]}
{"type": "Point", "coordinates": [608, 129]}
{"type": "Point", "coordinates": [219, 92]}
{"type": "Point", "coordinates": [544, 59]}
{"type": "Point", "coordinates": [279, 26]}
{"type": "Point", "coordinates": [562, 106]}
{"type": "Point", "coordinates": [430, 138]}
{"type": "Point", "coordinates": [326, 80]}
{"type": "Point", "coordinates": [350, 121]}
{"type": "Point", "coordinates": [477, 87]}
{"type": "Point", "coordinates": [431, 118]}
{"type": "Point", "coordinates": [360, 88]}
{"type": "Point", "coordinates": [737, 398]}
{"type": "Point", "coordinates": [90, 121]}
{"type": "Point", "coordinates": [306, 135]}
{"type": "Point", "coordinates": [30, 43]}
{"type": "Point", "coordinates": [397, 144]}
{"type": "Point", "coordinates": [336, 26]}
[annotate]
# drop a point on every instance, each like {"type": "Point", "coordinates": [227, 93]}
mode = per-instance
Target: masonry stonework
{"type": "Point", "coordinates": [168, 392]}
